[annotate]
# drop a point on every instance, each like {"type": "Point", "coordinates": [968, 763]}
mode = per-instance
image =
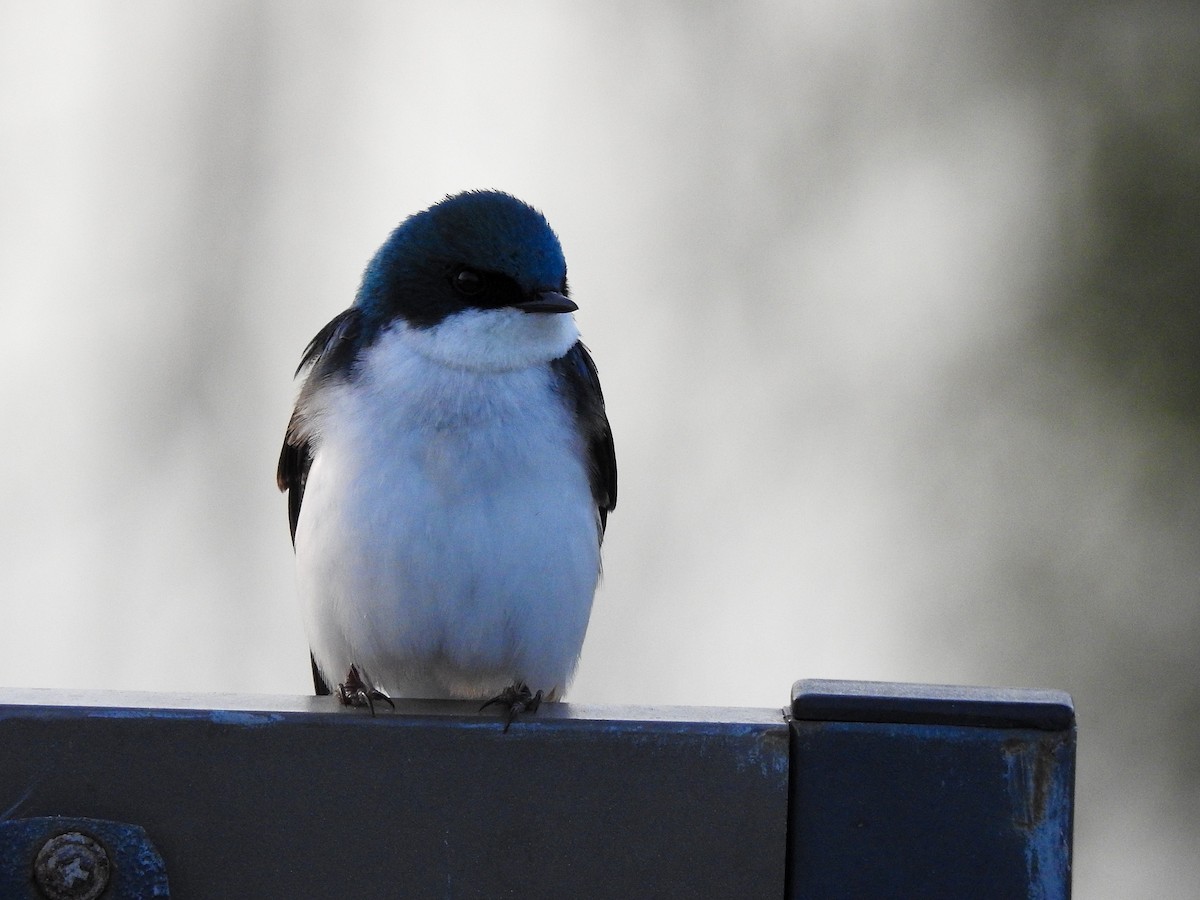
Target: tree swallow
{"type": "Point", "coordinates": [450, 467]}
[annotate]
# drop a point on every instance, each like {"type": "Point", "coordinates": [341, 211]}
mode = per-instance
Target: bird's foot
{"type": "Point", "coordinates": [517, 699]}
{"type": "Point", "coordinates": [355, 691]}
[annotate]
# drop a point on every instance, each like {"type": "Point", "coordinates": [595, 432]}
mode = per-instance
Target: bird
{"type": "Point", "coordinates": [449, 468]}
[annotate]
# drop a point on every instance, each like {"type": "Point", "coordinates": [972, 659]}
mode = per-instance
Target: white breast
{"type": "Point", "coordinates": [448, 541]}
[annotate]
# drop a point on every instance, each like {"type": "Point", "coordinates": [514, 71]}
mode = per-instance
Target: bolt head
{"type": "Point", "coordinates": [71, 866]}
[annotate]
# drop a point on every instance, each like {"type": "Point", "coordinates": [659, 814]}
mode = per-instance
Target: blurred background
{"type": "Point", "coordinates": [897, 308]}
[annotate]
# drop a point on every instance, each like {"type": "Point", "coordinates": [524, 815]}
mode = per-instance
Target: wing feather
{"type": "Point", "coordinates": [581, 382]}
{"type": "Point", "coordinates": [330, 353]}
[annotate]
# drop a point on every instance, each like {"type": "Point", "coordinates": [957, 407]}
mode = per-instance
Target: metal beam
{"type": "Point", "coordinates": [930, 791]}
{"type": "Point", "coordinates": [299, 798]}
{"type": "Point", "coordinates": [859, 790]}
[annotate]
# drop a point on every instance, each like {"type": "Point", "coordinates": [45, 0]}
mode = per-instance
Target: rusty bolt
{"type": "Point", "coordinates": [71, 866]}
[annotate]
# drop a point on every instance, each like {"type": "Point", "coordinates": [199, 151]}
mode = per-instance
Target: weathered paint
{"type": "Point", "coordinates": [137, 868]}
{"type": "Point", "coordinates": [891, 798]}
{"type": "Point", "coordinates": [1040, 775]}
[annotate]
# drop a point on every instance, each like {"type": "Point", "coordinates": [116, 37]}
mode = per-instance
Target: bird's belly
{"type": "Point", "coordinates": [449, 562]}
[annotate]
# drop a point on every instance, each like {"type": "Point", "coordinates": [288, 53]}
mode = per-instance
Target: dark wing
{"type": "Point", "coordinates": [581, 384]}
{"type": "Point", "coordinates": [331, 352]}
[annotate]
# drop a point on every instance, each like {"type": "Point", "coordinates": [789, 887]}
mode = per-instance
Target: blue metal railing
{"type": "Point", "coordinates": [855, 790]}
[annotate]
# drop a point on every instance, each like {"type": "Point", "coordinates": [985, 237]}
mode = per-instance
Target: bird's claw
{"type": "Point", "coordinates": [516, 698]}
{"type": "Point", "coordinates": [355, 691]}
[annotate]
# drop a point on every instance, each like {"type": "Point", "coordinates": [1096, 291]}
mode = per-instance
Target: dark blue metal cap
{"type": "Point", "coordinates": [821, 700]}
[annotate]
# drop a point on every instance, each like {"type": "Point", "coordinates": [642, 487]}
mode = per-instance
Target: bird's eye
{"type": "Point", "coordinates": [467, 281]}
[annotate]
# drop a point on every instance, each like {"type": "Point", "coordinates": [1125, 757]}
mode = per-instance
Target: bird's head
{"type": "Point", "coordinates": [480, 280]}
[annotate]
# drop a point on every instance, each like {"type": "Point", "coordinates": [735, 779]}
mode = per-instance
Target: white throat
{"type": "Point", "coordinates": [494, 340]}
